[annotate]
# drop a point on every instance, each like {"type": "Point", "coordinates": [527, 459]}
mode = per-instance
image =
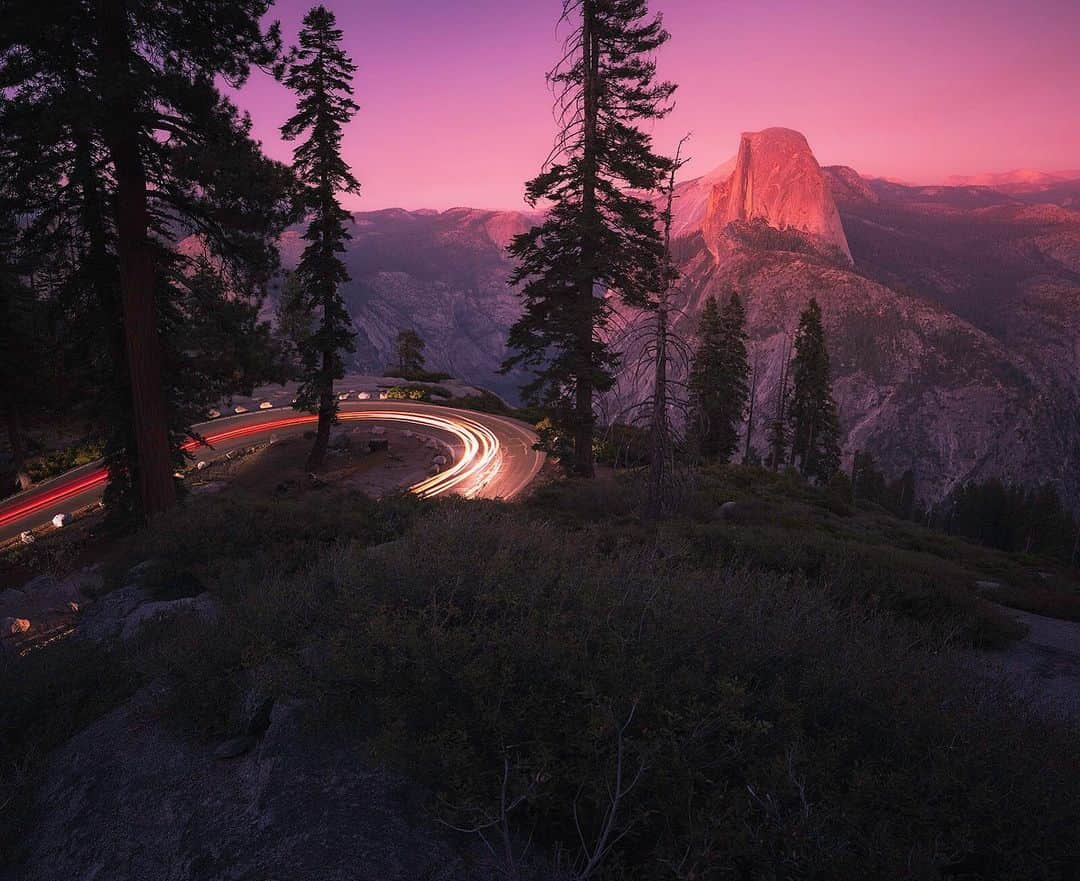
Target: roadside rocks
{"type": "Point", "coordinates": [147, 595]}
{"type": "Point", "coordinates": [13, 626]}
{"type": "Point", "coordinates": [61, 520]}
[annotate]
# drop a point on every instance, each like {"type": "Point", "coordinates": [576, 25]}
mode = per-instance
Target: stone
{"type": "Point", "coordinates": [239, 410]}
{"type": "Point", "coordinates": [439, 460]}
{"type": "Point", "coordinates": [61, 520]}
{"type": "Point", "coordinates": [266, 405]}
{"type": "Point", "coordinates": [363, 396]}
{"type": "Point", "coordinates": [201, 465]}
{"type": "Point", "coordinates": [214, 414]}
{"type": "Point", "coordinates": [26, 537]}
{"type": "Point", "coordinates": [14, 626]}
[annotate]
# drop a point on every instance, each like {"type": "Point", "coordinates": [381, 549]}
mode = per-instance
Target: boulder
{"type": "Point", "coordinates": [363, 396]}
{"type": "Point", "coordinates": [439, 460]}
{"type": "Point", "coordinates": [239, 410]}
{"type": "Point", "coordinates": [14, 626]}
{"type": "Point", "coordinates": [214, 414]}
{"type": "Point", "coordinates": [61, 520]}
{"type": "Point", "coordinates": [266, 405]}
{"type": "Point", "coordinates": [201, 465]}
{"type": "Point", "coordinates": [26, 537]}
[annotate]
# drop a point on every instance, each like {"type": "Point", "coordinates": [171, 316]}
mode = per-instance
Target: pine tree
{"type": "Point", "coordinates": [410, 352]}
{"type": "Point", "coordinates": [120, 119]}
{"type": "Point", "coordinates": [706, 378]}
{"type": "Point", "coordinates": [718, 378]}
{"type": "Point", "coordinates": [601, 233]}
{"type": "Point", "coordinates": [320, 73]}
{"type": "Point", "coordinates": [812, 417]}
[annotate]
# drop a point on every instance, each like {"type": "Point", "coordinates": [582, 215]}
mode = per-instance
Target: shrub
{"type": "Point", "coordinates": [777, 732]}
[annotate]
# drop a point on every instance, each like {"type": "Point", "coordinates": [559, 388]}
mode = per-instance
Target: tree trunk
{"type": "Point", "coordinates": [157, 490]}
{"type": "Point", "coordinates": [659, 446]}
{"type": "Point", "coordinates": [18, 445]}
{"type": "Point", "coordinates": [583, 405]}
{"type": "Point", "coordinates": [327, 412]}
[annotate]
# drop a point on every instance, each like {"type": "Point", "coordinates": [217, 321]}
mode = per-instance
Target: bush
{"type": "Point", "coordinates": [777, 732]}
{"type": "Point", "coordinates": [57, 462]}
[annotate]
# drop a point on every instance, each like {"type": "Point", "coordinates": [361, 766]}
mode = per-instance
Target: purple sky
{"type": "Point", "coordinates": [455, 109]}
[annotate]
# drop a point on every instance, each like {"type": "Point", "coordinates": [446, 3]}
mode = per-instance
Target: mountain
{"type": "Point", "coordinates": [953, 313]}
{"type": "Point", "coordinates": [774, 179]}
{"type": "Point", "coordinates": [441, 273]}
{"type": "Point", "coordinates": [1021, 180]}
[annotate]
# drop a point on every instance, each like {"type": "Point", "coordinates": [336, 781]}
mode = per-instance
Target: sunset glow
{"type": "Point", "coordinates": [455, 109]}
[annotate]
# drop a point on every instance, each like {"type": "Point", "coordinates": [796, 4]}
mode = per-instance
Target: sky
{"type": "Point", "coordinates": [455, 109]}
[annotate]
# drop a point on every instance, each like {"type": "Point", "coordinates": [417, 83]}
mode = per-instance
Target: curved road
{"type": "Point", "coordinates": [493, 456]}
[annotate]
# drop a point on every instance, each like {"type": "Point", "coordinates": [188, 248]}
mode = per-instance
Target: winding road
{"type": "Point", "coordinates": [493, 457]}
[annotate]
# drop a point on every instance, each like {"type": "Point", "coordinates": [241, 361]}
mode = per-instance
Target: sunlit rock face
{"type": "Point", "coordinates": [953, 330]}
{"type": "Point", "coordinates": [774, 180]}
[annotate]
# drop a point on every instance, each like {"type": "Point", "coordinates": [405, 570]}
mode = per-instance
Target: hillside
{"type": "Point", "coordinates": [330, 676]}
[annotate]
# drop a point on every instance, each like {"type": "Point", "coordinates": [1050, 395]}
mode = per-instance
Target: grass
{"type": "Point", "coordinates": [787, 680]}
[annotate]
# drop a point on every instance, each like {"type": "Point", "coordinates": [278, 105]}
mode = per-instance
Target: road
{"type": "Point", "coordinates": [493, 457]}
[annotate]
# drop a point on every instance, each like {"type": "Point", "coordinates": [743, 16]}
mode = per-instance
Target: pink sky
{"type": "Point", "coordinates": [455, 109]}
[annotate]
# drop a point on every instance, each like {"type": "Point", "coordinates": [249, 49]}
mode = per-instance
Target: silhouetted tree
{"type": "Point", "coordinates": [600, 234]}
{"type": "Point", "coordinates": [320, 73]}
{"type": "Point", "coordinates": [718, 378]}
{"type": "Point", "coordinates": [815, 429]}
{"type": "Point", "coordinates": [410, 351]}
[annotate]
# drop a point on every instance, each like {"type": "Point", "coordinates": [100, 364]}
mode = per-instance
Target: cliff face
{"type": "Point", "coordinates": [774, 180]}
{"type": "Point", "coordinates": [953, 331]}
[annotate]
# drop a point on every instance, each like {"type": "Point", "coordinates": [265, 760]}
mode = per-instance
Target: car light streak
{"type": "Point", "coordinates": [478, 463]}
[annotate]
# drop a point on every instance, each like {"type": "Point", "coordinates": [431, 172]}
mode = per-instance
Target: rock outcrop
{"type": "Point", "coordinates": [774, 180]}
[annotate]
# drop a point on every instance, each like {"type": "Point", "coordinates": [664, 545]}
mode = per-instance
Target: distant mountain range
{"type": "Point", "coordinates": [953, 312]}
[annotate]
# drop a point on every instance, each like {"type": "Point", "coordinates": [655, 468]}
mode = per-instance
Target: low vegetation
{"type": "Point", "coordinates": [770, 689]}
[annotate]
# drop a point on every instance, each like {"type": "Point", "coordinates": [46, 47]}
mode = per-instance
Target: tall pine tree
{"type": "Point", "coordinates": [120, 119]}
{"type": "Point", "coordinates": [718, 378]}
{"type": "Point", "coordinates": [320, 73]}
{"type": "Point", "coordinates": [812, 417]}
{"type": "Point", "coordinates": [601, 234]}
